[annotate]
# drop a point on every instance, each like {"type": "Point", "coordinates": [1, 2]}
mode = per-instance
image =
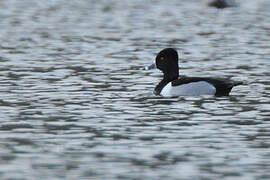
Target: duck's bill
{"type": "Point", "coordinates": [152, 66]}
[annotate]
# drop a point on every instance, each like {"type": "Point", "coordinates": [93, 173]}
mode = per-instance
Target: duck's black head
{"type": "Point", "coordinates": [167, 62]}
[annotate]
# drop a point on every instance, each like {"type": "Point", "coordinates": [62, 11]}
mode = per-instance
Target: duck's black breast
{"type": "Point", "coordinates": [223, 86]}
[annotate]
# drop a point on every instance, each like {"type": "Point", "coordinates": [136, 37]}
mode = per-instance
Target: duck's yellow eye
{"type": "Point", "coordinates": [161, 58]}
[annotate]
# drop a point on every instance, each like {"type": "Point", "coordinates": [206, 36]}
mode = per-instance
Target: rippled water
{"type": "Point", "coordinates": [75, 103]}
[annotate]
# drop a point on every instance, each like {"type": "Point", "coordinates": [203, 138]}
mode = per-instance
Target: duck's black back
{"type": "Point", "coordinates": [223, 86]}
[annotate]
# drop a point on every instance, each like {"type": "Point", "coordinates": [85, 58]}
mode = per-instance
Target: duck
{"type": "Point", "coordinates": [174, 85]}
{"type": "Point", "coordinates": [221, 4]}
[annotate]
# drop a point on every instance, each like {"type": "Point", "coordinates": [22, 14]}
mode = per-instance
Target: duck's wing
{"type": "Point", "coordinates": [185, 80]}
{"type": "Point", "coordinates": [223, 86]}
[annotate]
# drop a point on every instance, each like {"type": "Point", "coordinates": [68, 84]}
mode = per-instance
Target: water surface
{"type": "Point", "coordinates": [75, 103]}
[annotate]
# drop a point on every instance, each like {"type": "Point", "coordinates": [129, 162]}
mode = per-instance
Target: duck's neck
{"type": "Point", "coordinates": [166, 79]}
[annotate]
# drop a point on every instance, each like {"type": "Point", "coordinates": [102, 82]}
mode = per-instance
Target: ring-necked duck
{"type": "Point", "coordinates": [222, 3]}
{"type": "Point", "coordinates": [172, 85]}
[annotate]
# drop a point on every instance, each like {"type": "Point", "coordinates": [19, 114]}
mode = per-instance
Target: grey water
{"type": "Point", "coordinates": [76, 104]}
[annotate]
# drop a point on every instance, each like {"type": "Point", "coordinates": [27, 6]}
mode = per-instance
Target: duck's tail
{"type": "Point", "coordinates": [233, 84]}
{"type": "Point", "coordinates": [237, 83]}
{"type": "Point", "coordinates": [225, 89]}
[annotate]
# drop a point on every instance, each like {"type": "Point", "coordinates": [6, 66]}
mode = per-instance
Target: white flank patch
{"type": "Point", "coordinates": [190, 89]}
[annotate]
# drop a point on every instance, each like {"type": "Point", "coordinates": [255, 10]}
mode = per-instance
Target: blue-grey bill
{"type": "Point", "coordinates": [152, 66]}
